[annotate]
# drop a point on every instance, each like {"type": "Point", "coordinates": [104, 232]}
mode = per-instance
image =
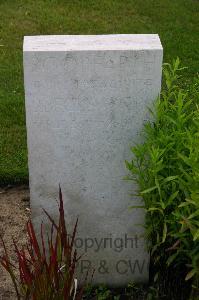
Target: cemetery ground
{"type": "Point", "coordinates": [175, 21]}
{"type": "Point", "coordinates": [14, 208]}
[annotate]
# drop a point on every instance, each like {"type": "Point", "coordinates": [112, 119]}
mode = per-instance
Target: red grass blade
{"type": "Point", "coordinates": [46, 272]}
{"type": "Point", "coordinates": [33, 238]}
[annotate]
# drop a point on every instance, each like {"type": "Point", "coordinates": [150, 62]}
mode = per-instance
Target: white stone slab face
{"type": "Point", "coordinates": [86, 102]}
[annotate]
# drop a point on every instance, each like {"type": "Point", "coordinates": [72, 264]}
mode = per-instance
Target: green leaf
{"type": "Point", "coordinates": [188, 202]}
{"type": "Point", "coordinates": [149, 190]}
{"type": "Point", "coordinates": [155, 209]}
{"type": "Point", "coordinates": [176, 64]}
{"type": "Point", "coordinates": [158, 185]}
{"type": "Point", "coordinates": [156, 277]}
{"type": "Point", "coordinates": [128, 165]}
{"type": "Point", "coordinates": [185, 159]}
{"type": "Point", "coordinates": [171, 258]}
{"type": "Point", "coordinates": [170, 178]}
{"type": "Point", "coordinates": [195, 214]}
{"type": "Point", "coordinates": [164, 235]}
{"type": "Point", "coordinates": [172, 197]}
{"type": "Point", "coordinates": [184, 204]}
{"type": "Point", "coordinates": [190, 274]}
{"type": "Point", "coordinates": [171, 120]}
{"type": "Point", "coordinates": [196, 235]}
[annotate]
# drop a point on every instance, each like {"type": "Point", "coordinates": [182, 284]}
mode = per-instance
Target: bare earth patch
{"type": "Point", "coordinates": [14, 213]}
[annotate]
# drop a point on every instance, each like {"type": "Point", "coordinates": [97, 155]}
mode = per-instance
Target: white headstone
{"type": "Point", "coordinates": [86, 102]}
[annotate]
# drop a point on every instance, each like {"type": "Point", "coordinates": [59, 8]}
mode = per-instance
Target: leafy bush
{"type": "Point", "coordinates": [46, 271]}
{"type": "Point", "coordinates": [166, 168]}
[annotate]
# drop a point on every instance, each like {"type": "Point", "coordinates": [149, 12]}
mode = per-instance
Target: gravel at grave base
{"type": "Point", "coordinates": [14, 213]}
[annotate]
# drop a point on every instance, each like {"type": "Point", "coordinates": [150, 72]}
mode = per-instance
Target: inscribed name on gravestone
{"type": "Point", "coordinates": [87, 99]}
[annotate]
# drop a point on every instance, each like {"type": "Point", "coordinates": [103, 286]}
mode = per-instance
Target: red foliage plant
{"type": "Point", "coordinates": [46, 272]}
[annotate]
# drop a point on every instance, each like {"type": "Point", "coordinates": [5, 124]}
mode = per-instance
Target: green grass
{"type": "Point", "coordinates": [176, 22]}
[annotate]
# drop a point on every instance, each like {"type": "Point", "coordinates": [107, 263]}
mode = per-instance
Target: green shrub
{"type": "Point", "coordinates": [166, 168]}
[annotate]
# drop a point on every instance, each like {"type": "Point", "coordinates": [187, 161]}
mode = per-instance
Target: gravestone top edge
{"type": "Point", "coordinates": [92, 42]}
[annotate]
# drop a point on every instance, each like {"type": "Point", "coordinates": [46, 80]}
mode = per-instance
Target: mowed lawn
{"type": "Point", "coordinates": [176, 21]}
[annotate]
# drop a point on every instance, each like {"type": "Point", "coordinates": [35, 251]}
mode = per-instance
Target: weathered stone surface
{"type": "Point", "coordinates": [86, 102]}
